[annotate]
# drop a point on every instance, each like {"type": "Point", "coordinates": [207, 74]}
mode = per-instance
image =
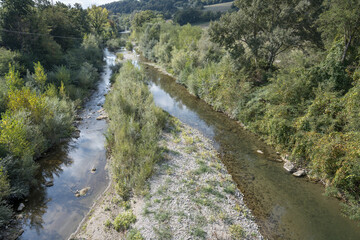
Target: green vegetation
{"type": "Point", "coordinates": [237, 232]}
{"type": "Point", "coordinates": [166, 7]}
{"type": "Point", "coordinates": [134, 234]}
{"type": "Point", "coordinates": [292, 77]}
{"type": "Point", "coordinates": [123, 221]}
{"type": "Point", "coordinates": [134, 130]}
{"type": "Point", "coordinates": [51, 56]}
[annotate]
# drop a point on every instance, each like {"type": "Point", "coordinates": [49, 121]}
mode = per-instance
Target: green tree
{"type": "Point", "coordinates": [260, 30]}
{"type": "Point", "coordinates": [98, 19]}
{"type": "Point", "coordinates": [341, 18]}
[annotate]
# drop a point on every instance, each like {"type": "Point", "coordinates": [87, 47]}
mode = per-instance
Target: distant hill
{"type": "Point", "coordinates": [167, 7]}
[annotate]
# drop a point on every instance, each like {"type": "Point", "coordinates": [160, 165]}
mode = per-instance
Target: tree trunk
{"type": "Point", "coordinates": [347, 45]}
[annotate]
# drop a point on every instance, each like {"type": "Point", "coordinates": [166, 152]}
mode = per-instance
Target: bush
{"type": "Point", "coordinates": [237, 232]}
{"type": "Point", "coordinates": [134, 234]}
{"type": "Point", "coordinates": [115, 44]}
{"type": "Point", "coordinates": [123, 221]}
{"type": "Point", "coordinates": [129, 46]}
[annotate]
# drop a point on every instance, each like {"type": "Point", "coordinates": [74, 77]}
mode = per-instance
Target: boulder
{"type": "Point", "coordinates": [289, 166]}
{"type": "Point", "coordinates": [93, 169]}
{"type": "Point", "coordinates": [299, 173]}
{"type": "Point", "coordinates": [21, 207]}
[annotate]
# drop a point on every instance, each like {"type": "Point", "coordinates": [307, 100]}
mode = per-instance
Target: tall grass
{"type": "Point", "coordinates": [134, 129]}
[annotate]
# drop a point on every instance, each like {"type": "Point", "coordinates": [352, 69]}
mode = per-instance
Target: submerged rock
{"type": "Point", "coordinates": [299, 173]}
{"type": "Point", "coordinates": [21, 207]}
{"type": "Point", "coordinates": [289, 166]}
{"type": "Point", "coordinates": [82, 192]}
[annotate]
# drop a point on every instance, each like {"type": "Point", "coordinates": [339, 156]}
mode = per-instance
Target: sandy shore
{"type": "Point", "coordinates": [189, 196]}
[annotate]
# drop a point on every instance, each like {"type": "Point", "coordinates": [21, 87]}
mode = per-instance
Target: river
{"type": "Point", "coordinates": [285, 207]}
{"type": "Point", "coordinates": [54, 212]}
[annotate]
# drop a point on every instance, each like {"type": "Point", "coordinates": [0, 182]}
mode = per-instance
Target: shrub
{"type": "Point", "coordinates": [123, 221]}
{"type": "Point", "coordinates": [129, 46]}
{"type": "Point", "coordinates": [134, 234]}
{"type": "Point", "coordinates": [236, 231]}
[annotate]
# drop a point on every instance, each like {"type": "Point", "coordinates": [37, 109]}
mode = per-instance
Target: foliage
{"type": "Point", "coordinates": [123, 221]}
{"type": "Point", "coordinates": [48, 58]}
{"type": "Point", "coordinates": [98, 19]}
{"type": "Point", "coordinates": [134, 234]}
{"type": "Point", "coordinates": [134, 128]}
{"type": "Point", "coordinates": [237, 232]}
{"type": "Point", "coordinates": [5, 210]}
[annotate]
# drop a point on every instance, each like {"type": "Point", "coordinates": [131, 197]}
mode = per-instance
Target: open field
{"type": "Point", "coordinates": [220, 7]}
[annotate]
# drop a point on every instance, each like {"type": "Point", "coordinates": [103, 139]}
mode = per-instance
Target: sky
{"type": "Point", "coordinates": [86, 3]}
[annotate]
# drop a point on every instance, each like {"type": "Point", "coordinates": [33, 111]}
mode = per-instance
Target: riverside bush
{"type": "Point", "coordinates": [123, 221]}
{"type": "Point", "coordinates": [134, 129]}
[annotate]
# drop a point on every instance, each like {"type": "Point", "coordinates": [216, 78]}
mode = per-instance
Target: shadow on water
{"type": "Point", "coordinates": [54, 212]}
{"type": "Point", "coordinates": [285, 207]}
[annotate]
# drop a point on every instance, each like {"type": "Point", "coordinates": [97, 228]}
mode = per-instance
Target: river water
{"type": "Point", "coordinates": [285, 207]}
{"type": "Point", "coordinates": [54, 212]}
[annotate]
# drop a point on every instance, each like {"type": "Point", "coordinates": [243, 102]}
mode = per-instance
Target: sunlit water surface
{"type": "Point", "coordinates": [55, 212]}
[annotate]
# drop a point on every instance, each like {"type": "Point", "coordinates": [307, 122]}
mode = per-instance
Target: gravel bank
{"type": "Point", "coordinates": [190, 196]}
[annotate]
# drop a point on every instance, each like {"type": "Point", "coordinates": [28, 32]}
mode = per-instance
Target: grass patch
{"type": "Point", "coordinates": [230, 188]}
{"type": "Point", "coordinates": [198, 232]}
{"type": "Point", "coordinates": [108, 223]}
{"type": "Point", "coordinates": [163, 232]}
{"type": "Point", "coordinates": [162, 216]}
{"type": "Point", "coordinates": [123, 221]}
{"type": "Point", "coordinates": [134, 234]}
{"type": "Point", "coordinates": [236, 231]}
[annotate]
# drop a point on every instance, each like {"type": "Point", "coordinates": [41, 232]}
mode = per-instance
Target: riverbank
{"type": "Point", "coordinates": [190, 195]}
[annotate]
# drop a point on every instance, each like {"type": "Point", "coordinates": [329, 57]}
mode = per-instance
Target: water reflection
{"type": "Point", "coordinates": [54, 212]}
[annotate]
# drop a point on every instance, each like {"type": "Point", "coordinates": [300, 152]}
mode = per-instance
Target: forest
{"type": "Point", "coordinates": [288, 70]}
{"type": "Point", "coordinates": [183, 8]}
{"type": "Point", "coordinates": [50, 59]}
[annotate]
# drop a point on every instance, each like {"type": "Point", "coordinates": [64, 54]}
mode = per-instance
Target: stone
{"type": "Point", "coordinates": [78, 118]}
{"type": "Point", "coordinates": [259, 151]}
{"type": "Point", "coordinates": [49, 183]}
{"type": "Point", "coordinates": [93, 169]}
{"type": "Point", "coordinates": [289, 166]}
{"type": "Point", "coordinates": [299, 173]}
{"type": "Point", "coordinates": [82, 192]}
{"type": "Point", "coordinates": [76, 133]}
{"type": "Point", "coordinates": [21, 207]}
{"type": "Point", "coordinates": [101, 117]}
